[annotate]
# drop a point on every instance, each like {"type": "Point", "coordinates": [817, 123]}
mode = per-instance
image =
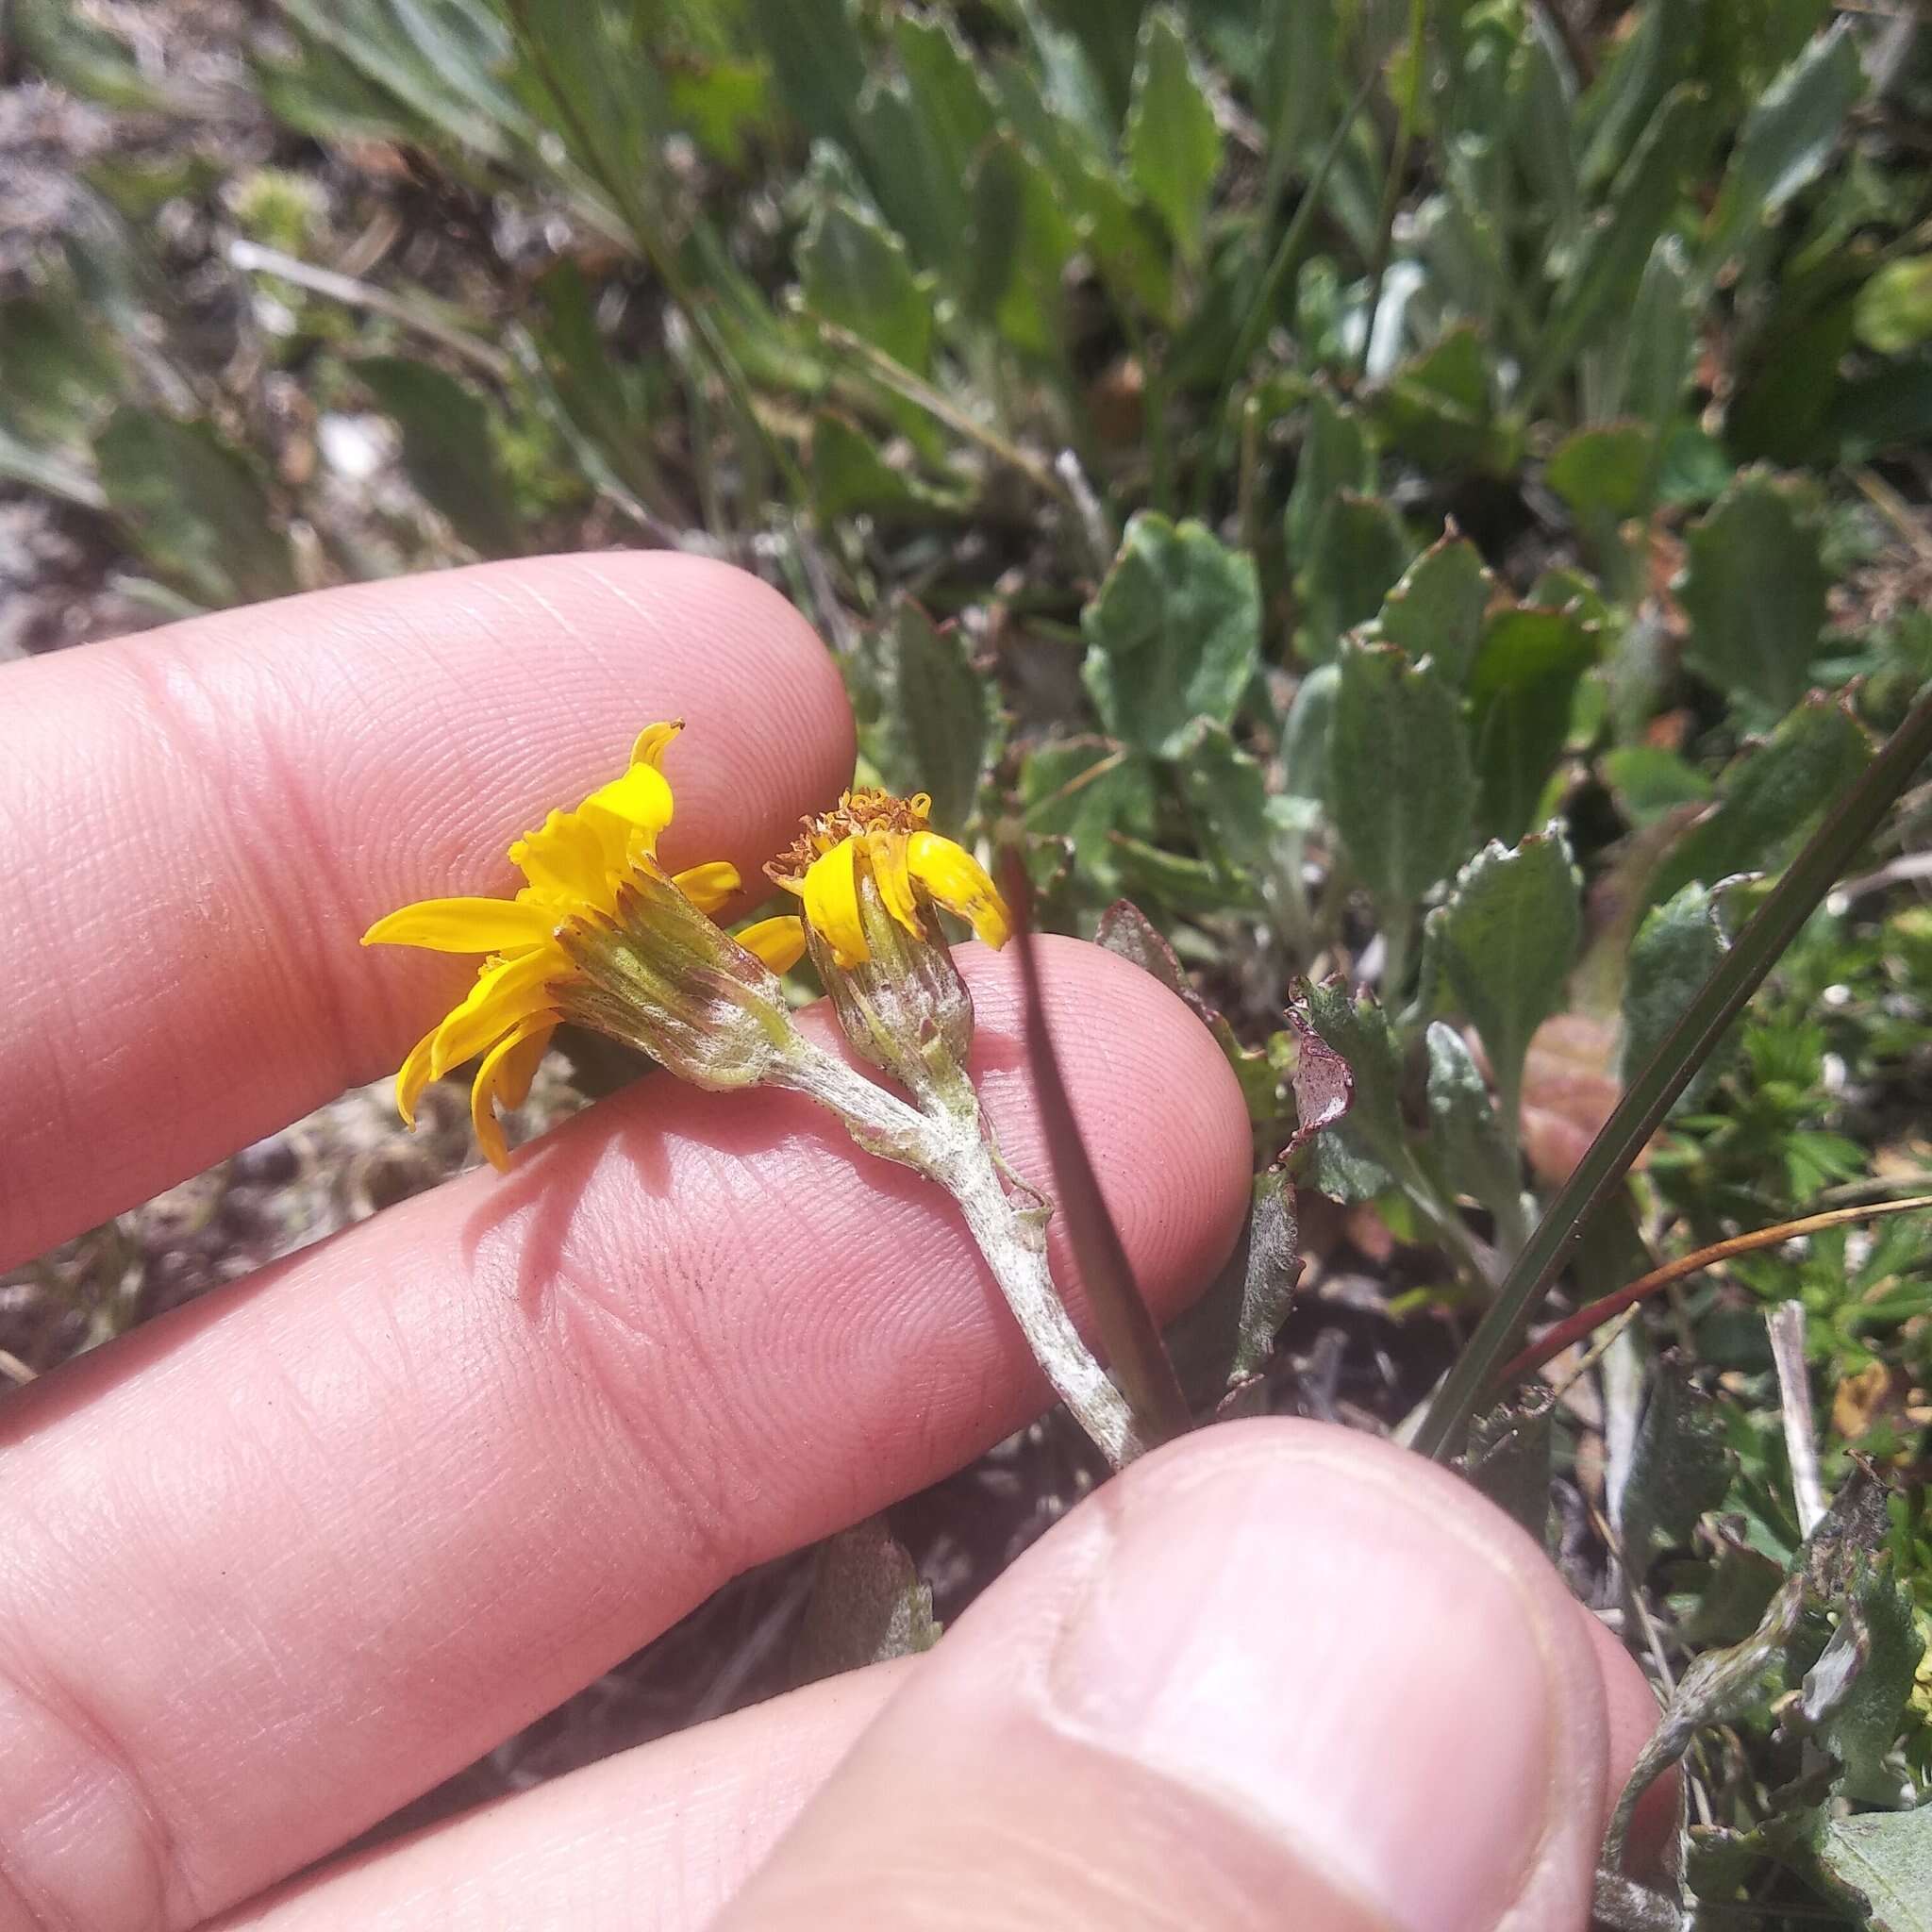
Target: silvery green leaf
{"type": "Point", "coordinates": [854, 270]}
{"type": "Point", "coordinates": [1678, 1469]}
{"type": "Point", "coordinates": [1020, 240]}
{"type": "Point", "coordinates": [1304, 737]}
{"type": "Point", "coordinates": [1523, 695]}
{"type": "Point", "coordinates": [1661, 345]}
{"type": "Point", "coordinates": [1173, 140]}
{"type": "Point", "coordinates": [1639, 72]}
{"type": "Point", "coordinates": [1505, 943]}
{"type": "Point", "coordinates": [1788, 137]}
{"type": "Point", "coordinates": [1884, 1859]}
{"type": "Point", "coordinates": [867, 1605]}
{"type": "Point", "coordinates": [1595, 291]}
{"type": "Point", "coordinates": [1090, 792]}
{"type": "Point", "coordinates": [446, 450]}
{"type": "Point", "coordinates": [1227, 799]}
{"type": "Point", "coordinates": [1396, 720]}
{"type": "Point", "coordinates": [1719, 1686]}
{"type": "Point", "coordinates": [1173, 634]}
{"type": "Point", "coordinates": [1602, 473]}
{"type": "Point", "coordinates": [926, 717]}
{"type": "Point", "coordinates": [194, 507]}
{"type": "Point", "coordinates": [1769, 796]}
{"type": "Point", "coordinates": [1509, 1456]}
{"type": "Point", "coordinates": [1272, 1268]}
{"type": "Point", "coordinates": [1465, 1137]}
{"type": "Point", "coordinates": [1676, 951]}
{"type": "Point", "coordinates": [1357, 1153]}
{"type": "Point", "coordinates": [1439, 408]}
{"type": "Point", "coordinates": [1854, 1695]}
{"type": "Point", "coordinates": [1754, 589]}
{"type": "Point", "coordinates": [1437, 608]}
{"type": "Point", "coordinates": [1335, 456]}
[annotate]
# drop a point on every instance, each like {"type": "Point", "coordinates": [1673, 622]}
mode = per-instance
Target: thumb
{"type": "Point", "coordinates": [1274, 1675]}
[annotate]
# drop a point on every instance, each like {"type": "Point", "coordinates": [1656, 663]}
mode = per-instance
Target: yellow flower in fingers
{"type": "Point", "coordinates": [874, 834]}
{"type": "Point", "coordinates": [598, 934]}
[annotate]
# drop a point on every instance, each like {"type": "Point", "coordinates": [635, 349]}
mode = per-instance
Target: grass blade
{"type": "Point", "coordinates": [1682, 1050]}
{"type": "Point", "coordinates": [1135, 1352]}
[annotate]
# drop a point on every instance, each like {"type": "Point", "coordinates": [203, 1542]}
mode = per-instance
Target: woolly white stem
{"type": "Point", "coordinates": [950, 1145]}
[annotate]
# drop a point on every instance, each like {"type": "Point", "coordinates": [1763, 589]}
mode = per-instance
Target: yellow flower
{"type": "Point", "coordinates": [593, 895]}
{"type": "Point", "coordinates": [873, 833]}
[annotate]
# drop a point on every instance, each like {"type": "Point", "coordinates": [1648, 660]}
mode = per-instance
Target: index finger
{"type": "Point", "coordinates": [203, 820]}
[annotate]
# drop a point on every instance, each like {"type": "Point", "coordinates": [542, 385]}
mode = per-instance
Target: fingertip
{"type": "Point", "coordinates": [1631, 1714]}
{"type": "Point", "coordinates": [1274, 1673]}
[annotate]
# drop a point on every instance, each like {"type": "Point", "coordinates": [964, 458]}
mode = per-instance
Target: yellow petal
{"type": "Point", "coordinates": [507, 992]}
{"type": "Point", "coordinates": [887, 850]}
{"type": "Point", "coordinates": [652, 741]}
{"type": "Point", "coordinates": [519, 1065]}
{"type": "Point", "coordinates": [634, 806]}
{"type": "Point", "coordinates": [831, 901]}
{"type": "Point", "coordinates": [778, 942]}
{"type": "Point", "coordinates": [504, 1079]}
{"type": "Point", "coordinates": [960, 883]}
{"type": "Point", "coordinates": [564, 861]}
{"type": "Point", "coordinates": [413, 1077]}
{"type": "Point", "coordinates": [707, 887]}
{"type": "Point", "coordinates": [463, 925]}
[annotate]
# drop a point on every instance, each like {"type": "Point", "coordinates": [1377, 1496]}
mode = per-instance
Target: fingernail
{"type": "Point", "coordinates": [1339, 1659]}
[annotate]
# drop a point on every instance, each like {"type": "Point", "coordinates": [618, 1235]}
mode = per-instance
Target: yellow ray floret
{"type": "Point", "coordinates": [575, 867]}
{"type": "Point", "coordinates": [780, 942]}
{"type": "Point", "coordinates": [873, 834]}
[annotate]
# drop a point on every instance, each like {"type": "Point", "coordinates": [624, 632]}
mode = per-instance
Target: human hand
{"type": "Point", "coordinates": [280, 1561]}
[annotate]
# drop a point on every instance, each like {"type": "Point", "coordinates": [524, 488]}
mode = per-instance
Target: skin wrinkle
{"type": "Point", "coordinates": [306, 916]}
{"type": "Point", "coordinates": [688, 1480]}
{"type": "Point", "coordinates": [604, 1341]}
{"type": "Point", "coordinates": [164, 1882]}
{"type": "Point", "coordinates": [427, 780]}
{"type": "Point", "coordinates": [45, 1082]}
{"type": "Point", "coordinates": [664, 1827]}
{"type": "Point", "coordinates": [182, 709]}
{"type": "Point", "coordinates": [710, 1482]}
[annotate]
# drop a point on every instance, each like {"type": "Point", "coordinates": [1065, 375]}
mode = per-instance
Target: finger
{"type": "Point", "coordinates": [652, 1839]}
{"type": "Point", "coordinates": [659, 1838]}
{"type": "Point", "coordinates": [204, 818]}
{"type": "Point", "coordinates": [1276, 1676]}
{"type": "Point", "coordinates": [280, 1561]}
{"type": "Point", "coordinates": [1633, 1718]}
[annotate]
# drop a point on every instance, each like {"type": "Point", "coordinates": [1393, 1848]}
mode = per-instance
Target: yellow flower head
{"type": "Point", "coordinates": [594, 897]}
{"type": "Point", "coordinates": [873, 833]}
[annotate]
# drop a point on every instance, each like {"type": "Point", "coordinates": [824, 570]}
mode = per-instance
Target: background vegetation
{"type": "Point", "coordinates": [1428, 500]}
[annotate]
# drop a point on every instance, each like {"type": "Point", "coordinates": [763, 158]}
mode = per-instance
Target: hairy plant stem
{"type": "Point", "coordinates": [948, 1141]}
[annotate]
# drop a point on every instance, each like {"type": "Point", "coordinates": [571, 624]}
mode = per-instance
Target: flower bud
{"type": "Point", "coordinates": [660, 975]}
{"type": "Point", "coordinates": [903, 1005]}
